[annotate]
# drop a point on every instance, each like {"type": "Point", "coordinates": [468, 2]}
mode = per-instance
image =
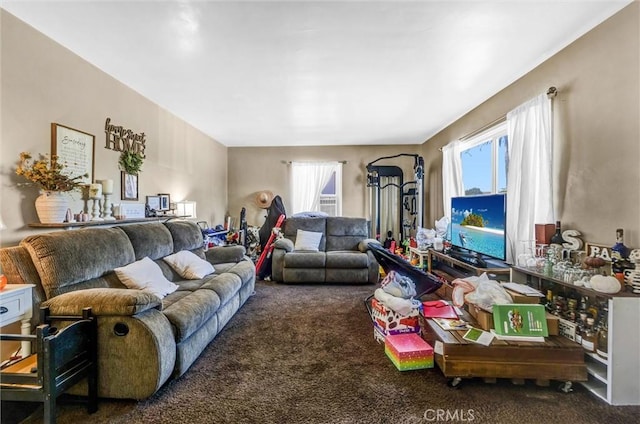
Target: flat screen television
{"type": "Point", "coordinates": [478, 225]}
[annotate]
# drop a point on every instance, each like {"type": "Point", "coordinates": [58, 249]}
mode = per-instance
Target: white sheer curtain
{"type": "Point", "coordinates": [529, 183]}
{"type": "Point", "coordinates": [452, 185]}
{"type": "Point", "coordinates": [307, 181]}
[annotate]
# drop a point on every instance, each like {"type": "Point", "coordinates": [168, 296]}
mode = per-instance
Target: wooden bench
{"type": "Point", "coordinates": [62, 358]}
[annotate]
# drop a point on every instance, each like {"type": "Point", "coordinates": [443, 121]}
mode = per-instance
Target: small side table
{"type": "Point", "coordinates": [421, 254]}
{"type": "Point", "coordinates": [16, 305]}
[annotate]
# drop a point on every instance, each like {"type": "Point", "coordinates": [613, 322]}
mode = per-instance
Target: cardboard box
{"type": "Point", "coordinates": [390, 322]}
{"type": "Point", "coordinates": [544, 232]}
{"type": "Point", "coordinates": [378, 335]}
{"type": "Point", "coordinates": [482, 317]}
{"type": "Point", "coordinates": [408, 352]}
{"type": "Point", "coordinates": [553, 324]}
{"type": "Point", "coordinates": [485, 320]}
{"type": "Point", "coordinates": [520, 298]}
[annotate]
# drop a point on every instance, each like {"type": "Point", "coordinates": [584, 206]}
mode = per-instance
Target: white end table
{"type": "Point", "coordinates": [16, 305]}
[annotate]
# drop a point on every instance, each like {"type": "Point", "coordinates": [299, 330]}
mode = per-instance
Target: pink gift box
{"type": "Point", "coordinates": [408, 347]}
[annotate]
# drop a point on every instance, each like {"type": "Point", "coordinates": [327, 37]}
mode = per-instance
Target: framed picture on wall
{"type": "Point", "coordinates": [75, 150]}
{"type": "Point", "coordinates": [129, 186]}
{"type": "Point", "coordinates": [153, 202]}
{"type": "Point", "coordinates": [165, 201]}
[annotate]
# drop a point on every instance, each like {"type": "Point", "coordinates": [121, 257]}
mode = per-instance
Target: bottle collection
{"type": "Point", "coordinates": [573, 266]}
{"type": "Point", "coordinates": [589, 317]}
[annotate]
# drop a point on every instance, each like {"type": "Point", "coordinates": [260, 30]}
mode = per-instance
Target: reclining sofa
{"type": "Point", "coordinates": [143, 339]}
{"type": "Point", "coordinates": [342, 254]}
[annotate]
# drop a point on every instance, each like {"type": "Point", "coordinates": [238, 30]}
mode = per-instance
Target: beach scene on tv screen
{"type": "Point", "coordinates": [477, 224]}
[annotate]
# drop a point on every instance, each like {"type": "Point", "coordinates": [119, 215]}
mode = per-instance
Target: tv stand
{"type": "Point", "coordinates": [471, 258]}
{"type": "Point", "coordinates": [450, 267]}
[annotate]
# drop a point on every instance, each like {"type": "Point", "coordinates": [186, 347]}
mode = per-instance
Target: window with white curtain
{"type": "Point", "coordinates": [526, 141]}
{"type": "Point", "coordinates": [316, 187]}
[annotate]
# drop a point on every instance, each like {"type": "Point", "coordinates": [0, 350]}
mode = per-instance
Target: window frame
{"type": "Point", "coordinates": [492, 135]}
{"type": "Point", "coordinates": [338, 192]}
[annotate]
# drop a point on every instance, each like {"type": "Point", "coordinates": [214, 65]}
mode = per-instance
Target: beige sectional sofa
{"type": "Point", "coordinates": [144, 340]}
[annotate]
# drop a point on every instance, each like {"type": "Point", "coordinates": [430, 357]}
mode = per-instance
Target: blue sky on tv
{"type": "Point", "coordinates": [491, 207]}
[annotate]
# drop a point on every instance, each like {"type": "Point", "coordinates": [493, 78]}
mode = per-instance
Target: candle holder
{"type": "Point", "coordinates": [95, 193]}
{"type": "Point", "coordinates": [95, 216]}
{"type": "Point", "coordinates": [106, 208]}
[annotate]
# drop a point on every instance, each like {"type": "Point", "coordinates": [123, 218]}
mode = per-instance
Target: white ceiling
{"type": "Point", "coordinates": [284, 73]}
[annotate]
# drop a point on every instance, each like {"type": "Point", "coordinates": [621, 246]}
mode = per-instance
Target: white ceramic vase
{"type": "Point", "coordinates": [51, 207]}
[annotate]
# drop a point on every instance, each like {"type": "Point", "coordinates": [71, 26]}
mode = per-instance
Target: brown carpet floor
{"type": "Point", "coordinates": [306, 354]}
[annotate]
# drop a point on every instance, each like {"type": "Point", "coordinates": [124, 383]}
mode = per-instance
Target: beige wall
{"type": "Point", "coordinates": [42, 82]}
{"type": "Point", "coordinates": [597, 130]}
{"type": "Point", "coordinates": [597, 117]}
{"type": "Point", "coordinates": [254, 169]}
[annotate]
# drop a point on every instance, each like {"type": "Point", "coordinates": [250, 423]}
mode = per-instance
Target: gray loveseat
{"type": "Point", "coordinates": [342, 256]}
{"type": "Point", "coordinates": [143, 340]}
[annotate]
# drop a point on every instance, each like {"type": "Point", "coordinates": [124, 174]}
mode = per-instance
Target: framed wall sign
{"type": "Point", "coordinates": [129, 186]}
{"type": "Point", "coordinates": [75, 149]}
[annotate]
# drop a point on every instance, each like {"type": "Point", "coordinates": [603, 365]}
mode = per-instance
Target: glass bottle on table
{"type": "Point", "coordinates": [602, 340]}
{"type": "Point", "coordinates": [589, 336]}
{"type": "Point", "coordinates": [549, 305]}
{"type": "Point", "coordinates": [619, 247]}
{"type": "Point", "coordinates": [556, 238]}
{"type": "Point", "coordinates": [619, 257]}
{"type": "Point", "coordinates": [582, 322]}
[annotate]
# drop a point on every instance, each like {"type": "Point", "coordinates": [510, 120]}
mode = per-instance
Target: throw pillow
{"type": "Point", "coordinates": [189, 265]}
{"type": "Point", "coordinates": [145, 275]}
{"type": "Point", "coordinates": [307, 240]}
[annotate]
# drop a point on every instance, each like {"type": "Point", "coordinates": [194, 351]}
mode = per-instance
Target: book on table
{"type": "Point", "coordinates": [517, 319]}
{"type": "Point", "coordinates": [439, 309]}
{"type": "Point", "coordinates": [476, 335]}
{"type": "Point", "coordinates": [538, 339]}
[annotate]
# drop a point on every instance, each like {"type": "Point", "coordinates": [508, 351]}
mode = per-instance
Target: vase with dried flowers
{"type": "Point", "coordinates": [49, 175]}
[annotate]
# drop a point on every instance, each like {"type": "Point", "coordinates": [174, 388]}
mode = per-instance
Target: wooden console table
{"type": "Point", "coordinates": [558, 358]}
{"type": "Point", "coordinates": [71, 225]}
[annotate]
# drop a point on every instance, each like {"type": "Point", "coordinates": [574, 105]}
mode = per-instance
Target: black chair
{"type": "Point", "coordinates": [62, 358]}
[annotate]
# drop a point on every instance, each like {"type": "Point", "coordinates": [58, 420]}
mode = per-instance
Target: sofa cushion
{"type": "Point", "coordinates": [345, 233]}
{"type": "Point", "coordinates": [65, 259]}
{"type": "Point", "coordinates": [186, 235]}
{"type": "Point", "coordinates": [347, 259]}
{"type": "Point", "coordinates": [318, 225]}
{"type": "Point", "coordinates": [304, 275]}
{"type": "Point", "coordinates": [305, 260]}
{"type": "Point", "coordinates": [225, 285]}
{"type": "Point", "coordinates": [189, 265]}
{"type": "Point", "coordinates": [343, 275]}
{"type": "Point", "coordinates": [150, 239]}
{"type": "Point", "coordinates": [145, 275]}
{"type": "Point", "coordinates": [188, 311]}
{"type": "Point", "coordinates": [103, 302]}
{"type": "Point", "coordinates": [246, 270]}
{"type": "Point", "coordinates": [307, 240]}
